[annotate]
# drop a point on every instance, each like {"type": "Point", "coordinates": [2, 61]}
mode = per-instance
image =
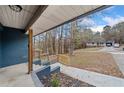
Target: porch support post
{"type": "Point", "coordinates": [30, 51]}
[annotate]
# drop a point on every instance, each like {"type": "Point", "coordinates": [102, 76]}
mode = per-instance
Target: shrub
{"type": "Point", "coordinates": [55, 82]}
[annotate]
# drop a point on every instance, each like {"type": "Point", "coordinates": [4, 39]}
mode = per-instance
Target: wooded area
{"type": "Point", "coordinates": [65, 39]}
{"type": "Point", "coordinates": [71, 36]}
{"type": "Point", "coordinates": [115, 33]}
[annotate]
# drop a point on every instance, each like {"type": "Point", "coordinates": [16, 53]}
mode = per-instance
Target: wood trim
{"type": "Point", "coordinates": [30, 51]}
{"type": "Point", "coordinates": [36, 15]}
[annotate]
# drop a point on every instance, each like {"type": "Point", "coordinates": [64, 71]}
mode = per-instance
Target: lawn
{"type": "Point", "coordinates": [100, 62]}
{"type": "Point", "coordinates": [88, 49]}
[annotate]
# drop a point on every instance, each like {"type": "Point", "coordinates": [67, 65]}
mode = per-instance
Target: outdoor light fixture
{"type": "Point", "coordinates": [16, 8]}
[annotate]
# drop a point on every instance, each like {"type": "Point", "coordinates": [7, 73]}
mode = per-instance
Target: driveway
{"type": "Point", "coordinates": [117, 55]}
{"type": "Point", "coordinates": [119, 59]}
{"type": "Point", "coordinates": [109, 49]}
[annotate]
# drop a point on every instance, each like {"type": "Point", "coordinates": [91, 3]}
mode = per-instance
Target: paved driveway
{"type": "Point", "coordinates": [109, 49]}
{"type": "Point", "coordinates": [117, 55]}
{"type": "Point", "coordinates": [119, 59]}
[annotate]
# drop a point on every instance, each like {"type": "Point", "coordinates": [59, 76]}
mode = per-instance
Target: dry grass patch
{"type": "Point", "coordinates": [88, 49]}
{"type": "Point", "coordinates": [94, 61]}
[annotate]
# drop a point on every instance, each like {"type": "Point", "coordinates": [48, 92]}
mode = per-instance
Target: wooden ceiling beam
{"type": "Point", "coordinates": [36, 15]}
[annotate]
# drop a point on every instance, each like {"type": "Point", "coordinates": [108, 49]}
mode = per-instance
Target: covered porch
{"type": "Point", "coordinates": [19, 24]}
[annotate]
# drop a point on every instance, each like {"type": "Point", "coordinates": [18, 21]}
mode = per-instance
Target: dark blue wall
{"type": "Point", "coordinates": [14, 46]}
{"type": "Point", "coordinates": [0, 48]}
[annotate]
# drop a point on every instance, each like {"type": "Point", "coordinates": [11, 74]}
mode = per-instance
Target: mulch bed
{"type": "Point", "coordinates": [64, 81]}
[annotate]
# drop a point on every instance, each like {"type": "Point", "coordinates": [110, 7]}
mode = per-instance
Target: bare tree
{"type": "Point", "coordinates": [72, 31]}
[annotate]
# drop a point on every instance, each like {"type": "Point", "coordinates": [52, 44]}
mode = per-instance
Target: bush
{"type": "Point", "coordinates": [55, 82]}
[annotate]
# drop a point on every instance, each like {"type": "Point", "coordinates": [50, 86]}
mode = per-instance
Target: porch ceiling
{"type": "Point", "coordinates": [55, 15]}
{"type": "Point", "coordinates": [45, 17]}
{"type": "Point", "coordinates": [10, 18]}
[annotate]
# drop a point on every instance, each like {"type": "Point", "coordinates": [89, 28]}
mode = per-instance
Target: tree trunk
{"type": "Point", "coordinates": [73, 29]}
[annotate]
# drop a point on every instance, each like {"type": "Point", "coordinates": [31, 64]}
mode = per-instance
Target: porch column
{"type": "Point", "coordinates": [30, 51]}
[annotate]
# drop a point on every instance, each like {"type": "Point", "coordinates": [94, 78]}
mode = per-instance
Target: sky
{"type": "Point", "coordinates": [109, 16]}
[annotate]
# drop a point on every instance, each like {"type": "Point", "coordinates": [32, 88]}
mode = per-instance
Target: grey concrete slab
{"type": "Point", "coordinates": [15, 76]}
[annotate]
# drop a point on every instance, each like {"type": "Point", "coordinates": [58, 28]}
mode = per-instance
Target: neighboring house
{"type": "Point", "coordinates": [95, 44]}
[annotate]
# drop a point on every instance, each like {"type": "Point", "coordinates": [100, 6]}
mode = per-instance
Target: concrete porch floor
{"type": "Point", "coordinates": [15, 76]}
